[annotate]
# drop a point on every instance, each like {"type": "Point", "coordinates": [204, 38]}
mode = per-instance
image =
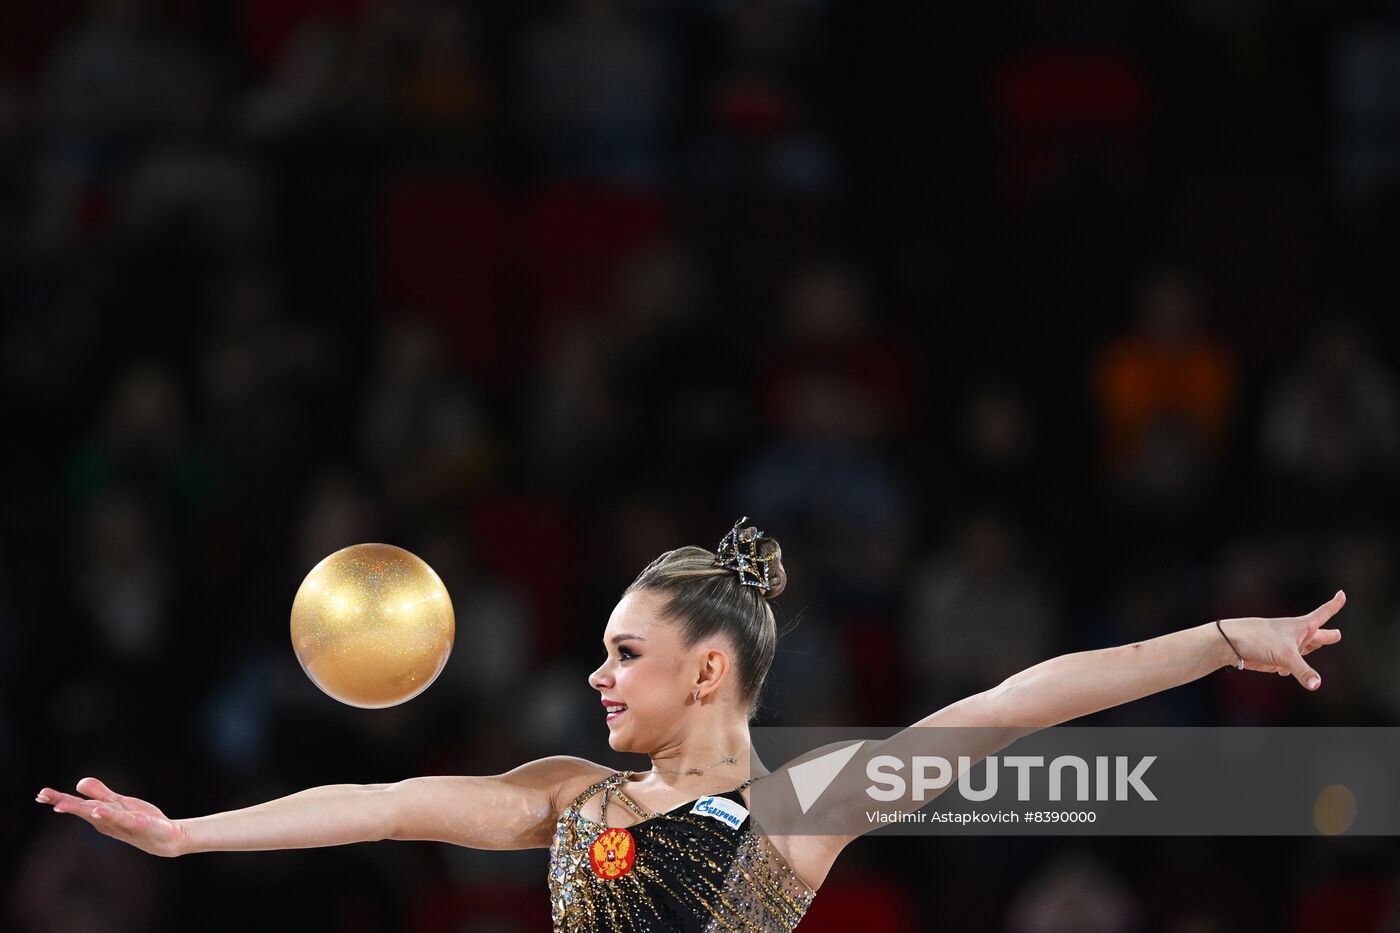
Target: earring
{"type": "Point", "coordinates": [697, 694]}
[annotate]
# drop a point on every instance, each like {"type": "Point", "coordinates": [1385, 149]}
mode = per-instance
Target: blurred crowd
{"type": "Point", "coordinates": [1027, 329]}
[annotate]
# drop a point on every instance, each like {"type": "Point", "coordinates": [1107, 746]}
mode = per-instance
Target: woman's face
{"type": "Point", "coordinates": [648, 671]}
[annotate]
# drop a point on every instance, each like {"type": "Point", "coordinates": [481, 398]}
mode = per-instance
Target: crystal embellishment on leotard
{"type": "Point", "coordinates": [690, 873]}
{"type": "Point", "coordinates": [612, 853]}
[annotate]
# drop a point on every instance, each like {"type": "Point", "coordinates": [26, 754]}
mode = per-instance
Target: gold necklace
{"type": "Point", "coordinates": [645, 814]}
{"type": "Point", "coordinates": [727, 759]}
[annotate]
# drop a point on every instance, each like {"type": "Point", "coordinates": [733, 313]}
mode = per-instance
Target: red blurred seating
{"type": "Point", "coordinates": [1045, 100]}
{"type": "Point", "coordinates": [498, 905]}
{"type": "Point", "coordinates": [269, 24]}
{"type": "Point", "coordinates": [441, 253]}
{"type": "Point", "coordinates": [530, 542]}
{"type": "Point", "coordinates": [575, 238]}
{"type": "Point", "coordinates": [861, 901]}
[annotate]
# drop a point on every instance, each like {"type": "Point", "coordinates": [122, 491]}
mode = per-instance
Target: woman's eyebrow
{"type": "Point", "coordinates": [624, 636]}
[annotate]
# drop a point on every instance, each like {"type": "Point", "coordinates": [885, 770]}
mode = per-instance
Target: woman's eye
{"type": "Point", "coordinates": [626, 654]}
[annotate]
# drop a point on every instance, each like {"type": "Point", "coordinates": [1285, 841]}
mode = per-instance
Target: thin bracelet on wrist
{"type": "Point", "coordinates": [1240, 665]}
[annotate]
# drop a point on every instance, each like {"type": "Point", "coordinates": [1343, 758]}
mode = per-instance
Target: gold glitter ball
{"type": "Point", "coordinates": [372, 625]}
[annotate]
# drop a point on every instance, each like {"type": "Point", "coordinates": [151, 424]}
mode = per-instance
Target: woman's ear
{"type": "Point", "coordinates": [714, 668]}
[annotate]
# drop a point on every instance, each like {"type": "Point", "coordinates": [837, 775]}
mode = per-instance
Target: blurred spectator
{"type": "Point", "coordinates": [441, 252]}
{"type": "Point", "coordinates": [116, 78]}
{"type": "Point", "coordinates": [1353, 902]}
{"type": "Point", "coordinates": [330, 76]}
{"type": "Point", "coordinates": [761, 128]}
{"type": "Point", "coordinates": [142, 437]}
{"type": "Point", "coordinates": [835, 390]}
{"type": "Point", "coordinates": [119, 71]}
{"type": "Point", "coordinates": [47, 356]}
{"type": "Point", "coordinates": [441, 86]}
{"type": "Point", "coordinates": [978, 611]}
{"type": "Point", "coordinates": [136, 488]}
{"type": "Point", "coordinates": [825, 481]}
{"type": "Point", "coordinates": [864, 900]}
{"type": "Point", "coordinates": [829, 331]}
{"type": "Point", "coordinates": [493, 649]}
{"type": "Point", "coordinates": [1001, 456]}
{"type": "Point", "coordinates": [760, 135]}
{"type": "Point", "coordinates": [74, 879]}
{"type": "Point", "coordinates": [266, 377]}
{"type": "Point", "coordinates": [534, 542]}
{"type": "Point", "coordinates": [1165, 395]}
{"type": "Point", "coordinates": [1361, 559]}
{"type": "Point", "coordinates": [575, 241]}
{"type": "Point", "coordinates": [575, 423]}
{"type": "Point", "coordinates": [595, 93]}
{"type": "Point", "coordinates": [997, 434]}
{"type": "Point", "coordinates": [555, 699]}
{"type": "Point", "coordinates": [814, 680]}
{"type": "Point", "coordinates": [424, 431]}
{"type": "Point", "coordinates": [340, 510]}
{"type": "Point", "coordinates": [1069, 120]}
{"type": "Point", "coordinates": [1364, 79]}
{"type": "Point", "coordinates": [482, 889]}
{"type": "Point", "coordinates": [634, 531]}
{"type": "Point", "coordinates": [236, 718]}
{"type": "Point", "coordinates": [267, 26]}
{"type": "Point", "coordinates": [1331, 430]}
{"type": "Point", "coordinates": [126, 585]}
{"type": "Point", "coordinates": [192, 184]}
{"type": "Point", "coordinates": [1075, 893]}
{"type": "Point", "coordinates": [686, 378]}
{"type": "Point", "coordinates": [500, 905]}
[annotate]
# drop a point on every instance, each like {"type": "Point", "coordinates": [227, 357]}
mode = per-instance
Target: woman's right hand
{"type": "Point", "coordinates": [129, 819]}
{"type": "Point", "coordinates": [1277, 646]}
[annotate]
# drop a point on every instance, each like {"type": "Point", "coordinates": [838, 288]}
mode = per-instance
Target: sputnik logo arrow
{"type": "Point", "coordinates": [810, 778]}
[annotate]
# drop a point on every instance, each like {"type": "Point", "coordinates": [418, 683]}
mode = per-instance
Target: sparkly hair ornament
{"type": "Point", "coordinates": [738, 551]}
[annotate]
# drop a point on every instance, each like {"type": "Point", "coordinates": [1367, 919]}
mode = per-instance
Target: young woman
{"type": "Point", "coordinates": [688, 647]}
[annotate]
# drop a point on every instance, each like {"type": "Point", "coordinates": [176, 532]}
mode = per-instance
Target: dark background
{"type": "Point", "coordinates": [1026, 327]}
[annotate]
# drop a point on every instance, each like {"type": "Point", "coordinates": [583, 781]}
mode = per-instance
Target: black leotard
{"type": "Point", "coordinates": [697, 868]}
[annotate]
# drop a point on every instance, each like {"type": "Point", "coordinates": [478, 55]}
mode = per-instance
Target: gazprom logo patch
{"type": "Point", "coordinates": [723, 809]}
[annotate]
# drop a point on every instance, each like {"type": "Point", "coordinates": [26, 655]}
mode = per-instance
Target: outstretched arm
{"type": "Point", "coordinates": [1066, 688]}
{"type": "Point", "coordinates": [1085, 682]}
{"type": "Point", "coordinates": [514, 810]}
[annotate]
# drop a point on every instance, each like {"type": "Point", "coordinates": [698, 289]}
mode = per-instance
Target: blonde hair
{"type": "Point", "coordinates": [705, 599]}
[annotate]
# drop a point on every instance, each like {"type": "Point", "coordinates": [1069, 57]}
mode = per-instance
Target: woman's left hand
{"type": "Point", "coordinates": [1278, 645]}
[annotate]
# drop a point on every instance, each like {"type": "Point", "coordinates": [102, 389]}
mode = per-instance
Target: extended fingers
{"type": "Point", "coordinates": [65, 803]}
{"type": "Point", "coordinates": [1308, 677]}
{"type": "Point", "coordinates": [96, 789]}
{"type": "Point", "coordinates": [1323, 636]}
{"type": "Point", "coordinates": [94, 811]}
{"type": "Point", "coordinates": [1327, 610]}
{"type": "Point", "coordinates": [58, 799]}
{"type": "Point", "coordinates": [69, 803]}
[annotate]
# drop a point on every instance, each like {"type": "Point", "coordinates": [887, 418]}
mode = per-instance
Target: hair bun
{"type": "Point", "coordinates": [777, 573]}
